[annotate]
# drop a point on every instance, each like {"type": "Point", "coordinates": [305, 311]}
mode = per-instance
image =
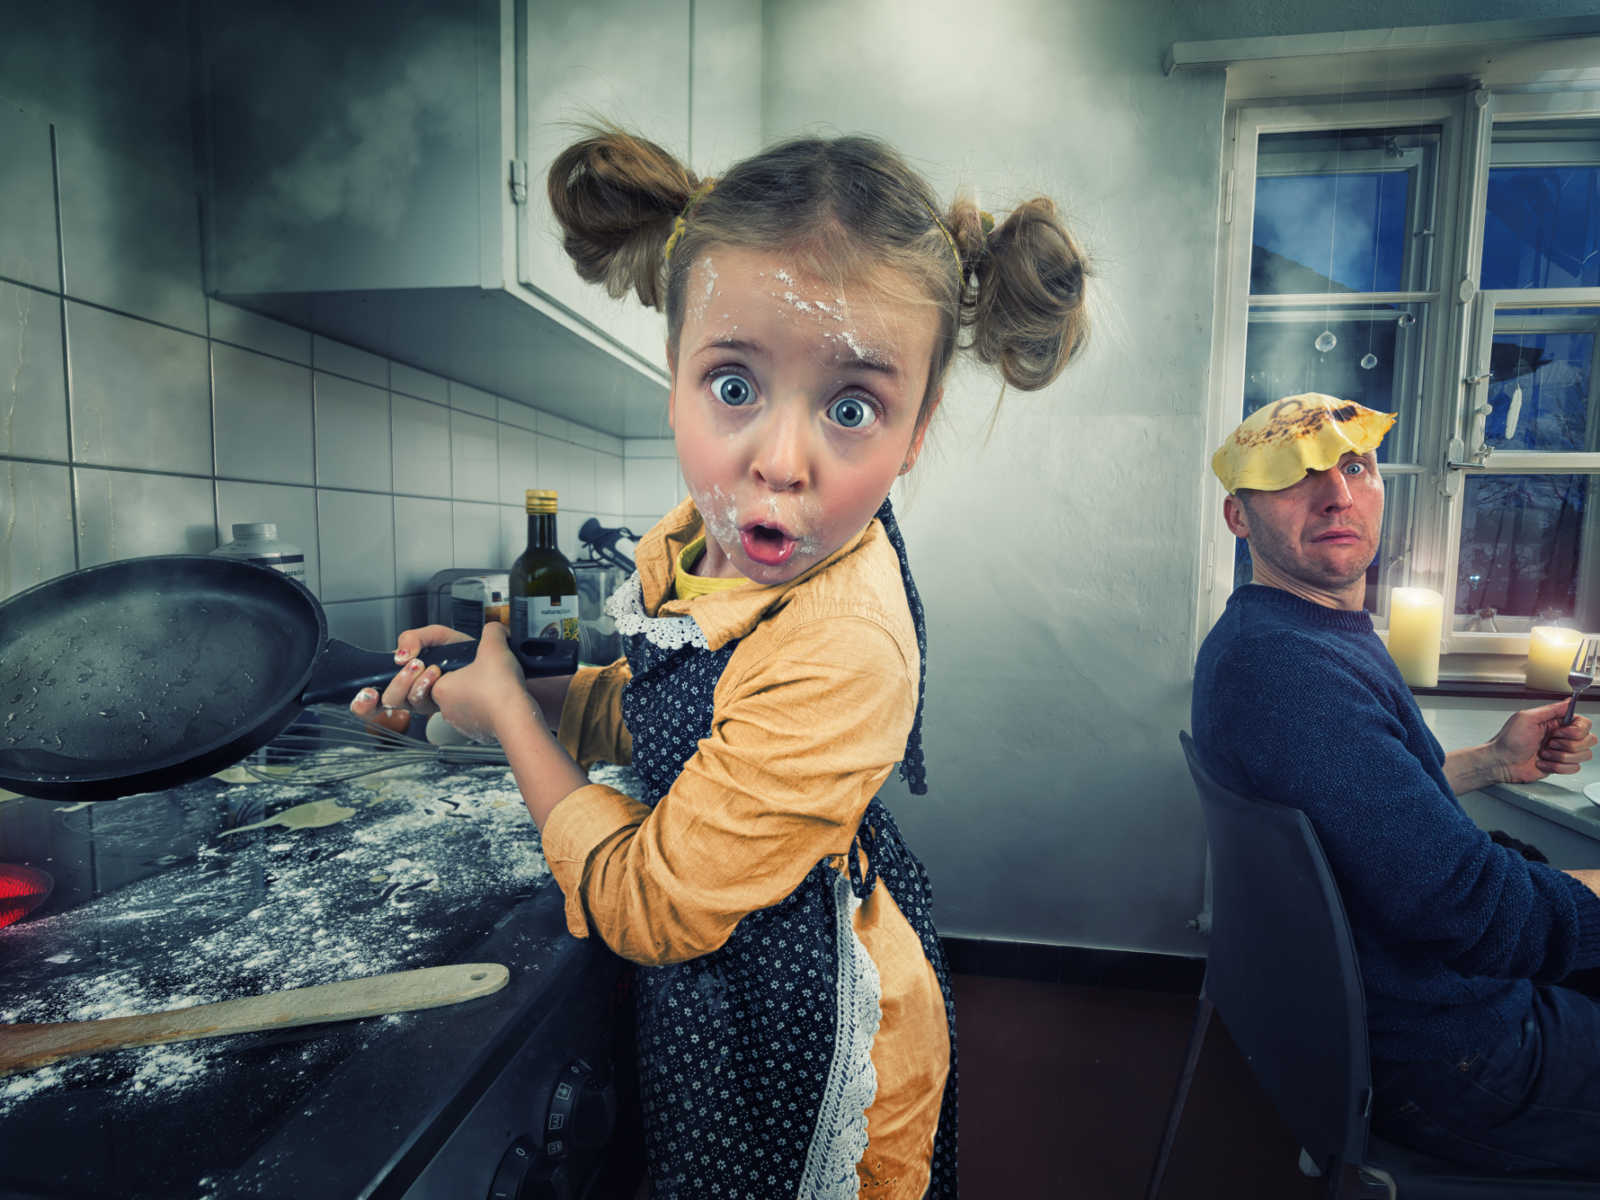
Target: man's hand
{"type": "Point", "coordinates": [1534, 743]}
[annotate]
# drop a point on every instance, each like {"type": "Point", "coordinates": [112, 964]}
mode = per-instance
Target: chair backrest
{"type": "Point", "coordinates": [1282, 967]}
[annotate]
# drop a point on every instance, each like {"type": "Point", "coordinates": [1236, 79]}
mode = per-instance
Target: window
{"type": "Point", "coordinates": [1436, 256]}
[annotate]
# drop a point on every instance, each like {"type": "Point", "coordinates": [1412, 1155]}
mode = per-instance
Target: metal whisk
{"type": "Point", "coordinates": [329, 744]}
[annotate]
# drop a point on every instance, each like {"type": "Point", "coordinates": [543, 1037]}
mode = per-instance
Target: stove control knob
{"type": "Point", "coordinates": [515, 1168]}
{"type": "Point", "coordinates": [582, 1112]}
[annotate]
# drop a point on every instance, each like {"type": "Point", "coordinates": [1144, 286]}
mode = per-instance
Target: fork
{"type": "Point", "coordinates": [1582, 674]}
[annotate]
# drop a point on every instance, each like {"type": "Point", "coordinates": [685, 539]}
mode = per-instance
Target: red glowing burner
{"type": "Point", "coordinates": [22, 889]}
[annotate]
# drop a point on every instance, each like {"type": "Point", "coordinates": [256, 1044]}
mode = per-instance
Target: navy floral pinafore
{"type": "Point", "coordinates": [754, 1060]}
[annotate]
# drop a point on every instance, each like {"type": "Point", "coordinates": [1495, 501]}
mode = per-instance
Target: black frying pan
{"type": "Point", "coordinates": [150, 672]}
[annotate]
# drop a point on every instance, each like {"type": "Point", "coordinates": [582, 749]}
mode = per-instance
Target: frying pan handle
{"type": "Point", "coordinates": [342, 670]}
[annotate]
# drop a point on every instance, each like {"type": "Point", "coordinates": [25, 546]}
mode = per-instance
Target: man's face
{"type": "Point", "coordinates": [1317, 537]}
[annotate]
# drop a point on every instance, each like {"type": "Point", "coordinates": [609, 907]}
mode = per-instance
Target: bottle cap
{"type": "Point", "coordinates": [247, 530]}
{"type": "Point", "coordinates": [540, 501]}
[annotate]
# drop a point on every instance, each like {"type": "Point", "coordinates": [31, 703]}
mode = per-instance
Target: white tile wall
{"type": "Point", "coordinates": [414, 382]}
{"type": "Point", "coordinates": [141, 393]}
{"type": "Point", "coordinates": [130, 228]}
{"type": "Point", "coordinates": [424, 541]}
{"type": "Point", "coordinates": [476, 529]}
{"type": "Point", "coordinates": [470, 399]}
{"type": "Point", "coordinates": [365, 623]}
{"type": "Point", "coordinates": [352, 423]}
{"type": "Point", "coordinates": [356, 531]}
{"type": "Point", "coordinates": [34, 390]}
{"type": "Point", "coordinates": [474, 457]}
{"type": "Point", "coordinates": [27, 198]}
{"type": "Point", "coordinates": [519, 464]}
{"type": "Point", "coordinates": [241, 327]}
{"type": "Point", "coordinates": [127, 514]}
{"type": "Point", "coordinates": [651, 485]}
{"type": "Point", "coordinates": [336, 357]}
{"type": "Point", "coordinates": [520, 415]}
{"type": "Point", "coordinates": [41, 544]}
{"type": "Point", "coordinates": [421, 446]}
{"type": "Point", "coordinates": [263, 415]}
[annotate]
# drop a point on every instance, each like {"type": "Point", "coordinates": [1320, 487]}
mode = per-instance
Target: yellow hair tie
{"type": "Point", "coordinates": [680, 222]}
{"type": "Point", "coordinates": [985, 220]}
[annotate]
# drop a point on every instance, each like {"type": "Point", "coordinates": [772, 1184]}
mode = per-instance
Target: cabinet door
{"type": "Point", "coordinates": [616, 60]}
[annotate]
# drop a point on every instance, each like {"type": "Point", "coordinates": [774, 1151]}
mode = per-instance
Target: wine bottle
{"type": "Point", "coordinates": [544, 590]}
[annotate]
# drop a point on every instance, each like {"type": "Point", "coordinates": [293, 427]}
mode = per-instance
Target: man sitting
{"type": "Point", "coordinates": [1476, 1056]}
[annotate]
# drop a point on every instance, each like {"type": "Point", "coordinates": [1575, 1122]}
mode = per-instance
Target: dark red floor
{"type": "Point", "coordinates": [1065, 1089]}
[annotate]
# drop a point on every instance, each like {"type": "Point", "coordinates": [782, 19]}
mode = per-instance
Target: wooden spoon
{"type": "Point", "coordinates": [24, 1047]}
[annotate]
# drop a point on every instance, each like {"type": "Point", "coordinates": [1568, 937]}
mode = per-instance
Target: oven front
{"type": "Point", "coordinates": [522, 1095]}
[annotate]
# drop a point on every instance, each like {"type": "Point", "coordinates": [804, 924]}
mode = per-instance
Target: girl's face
{"type": "Point", "coordinates": [794, 406]}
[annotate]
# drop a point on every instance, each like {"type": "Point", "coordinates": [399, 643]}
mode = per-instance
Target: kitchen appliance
{"type": "Point", "coordinates": [523, 1093]}
{"type": "Point", "coordinates": [149, 672]}
{"type": "Point", "coordinates": [601, 569]}
{"type": "Point", "coordinates": [440, 599]}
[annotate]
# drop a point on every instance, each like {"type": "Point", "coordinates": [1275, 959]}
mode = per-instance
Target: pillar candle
{"type": "Point", "coordinates": [1550, 652]}
{"type": "Point", "coordinates": [1416, 619]}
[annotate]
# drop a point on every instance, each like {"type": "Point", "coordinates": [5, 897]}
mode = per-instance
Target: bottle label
{"type": "Point", "coordinates": [292, 565]}
{"type": "Point", "coordinates": [544, 617]}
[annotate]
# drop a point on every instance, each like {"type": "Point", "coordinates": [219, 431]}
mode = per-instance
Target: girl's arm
{"type": "Point", "coordinates": [800, 742]}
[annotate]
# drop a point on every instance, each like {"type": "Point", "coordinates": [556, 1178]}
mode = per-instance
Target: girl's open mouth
{"type": "Point", "coordinates": [767, 545]}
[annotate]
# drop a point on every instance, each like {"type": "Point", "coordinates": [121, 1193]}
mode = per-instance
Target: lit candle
{"type": "Point", "coordinates": [1416, 619]}
{"type": "Point", "coordinates": [1550, 652]}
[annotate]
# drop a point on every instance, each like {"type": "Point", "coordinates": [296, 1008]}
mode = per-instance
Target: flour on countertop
{"type": "Point", "coordinates": [261, 912]}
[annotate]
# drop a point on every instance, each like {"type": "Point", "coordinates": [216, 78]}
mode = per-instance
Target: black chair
{"type": "Point", "coordinates": [1282, 972]}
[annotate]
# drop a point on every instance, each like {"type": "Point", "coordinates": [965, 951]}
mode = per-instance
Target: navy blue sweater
{"type": "Point", "coordinates": [1302, 704]}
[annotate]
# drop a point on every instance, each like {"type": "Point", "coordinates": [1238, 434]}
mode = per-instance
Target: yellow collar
{"type": "Point", "coordinates": [688, 585]}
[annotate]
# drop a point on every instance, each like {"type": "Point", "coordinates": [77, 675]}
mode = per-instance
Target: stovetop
{"type": "Point", "coordinates": [432, 864]}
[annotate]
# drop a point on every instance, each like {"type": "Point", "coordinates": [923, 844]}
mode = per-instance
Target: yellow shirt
{"type": "Point", "coordinates": [809, 718]}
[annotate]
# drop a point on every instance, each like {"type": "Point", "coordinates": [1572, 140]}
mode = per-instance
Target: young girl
{"type": "Point", "coordinates": [796, 1033]}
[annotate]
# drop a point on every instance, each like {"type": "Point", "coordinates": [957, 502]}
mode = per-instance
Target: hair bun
{"type": "Point", "coordinates": [616, 197]}
{"type": "Point", "coordinates": [1025, 306]}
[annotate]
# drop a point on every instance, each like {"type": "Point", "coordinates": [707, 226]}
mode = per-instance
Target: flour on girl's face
{"type": "Point", "coordinates": [780, 458]}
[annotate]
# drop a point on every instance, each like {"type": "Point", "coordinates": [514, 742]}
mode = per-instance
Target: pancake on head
{"type": "Point", "coordinates": [1275, 446]}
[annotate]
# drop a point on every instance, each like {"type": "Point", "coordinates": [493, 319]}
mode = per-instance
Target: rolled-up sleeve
{"type": "Point", "coordinates": [592, 729]}
{"type": "Point", "coordinates": [800, 741]}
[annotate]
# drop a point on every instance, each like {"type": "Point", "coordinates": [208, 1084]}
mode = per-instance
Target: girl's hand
{"type": "Point", "coordinates": [407, 692]}
{"type": "Point", "coordinates": [491, 689]}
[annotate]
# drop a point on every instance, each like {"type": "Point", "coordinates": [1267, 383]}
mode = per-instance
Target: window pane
{"type": "Point", "coordinates": [1542, 221]}
{"type": "Point", "coordinates": [1342, 212]}
{"type": "Point", "coordinates": [1389, 567]}
{"type": "Point", "coordinates": [1526, 542]}
{"type": "Point", "coordinates": [1371, 355]}
{"type": "Point", "coordinates": [1541, 380]}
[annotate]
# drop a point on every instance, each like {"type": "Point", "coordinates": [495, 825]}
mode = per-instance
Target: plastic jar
{"type": "Point", "coordinates": [257, 542]}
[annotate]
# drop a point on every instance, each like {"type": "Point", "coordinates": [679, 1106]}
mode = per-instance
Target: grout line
{"type": "Point", "coordinates": [66, 345]}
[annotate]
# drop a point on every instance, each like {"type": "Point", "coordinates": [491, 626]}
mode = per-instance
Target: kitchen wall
{"type": "Point", "coordinates": [137, 416]}
{"type": "Point", "coordinates": [1057, 554]}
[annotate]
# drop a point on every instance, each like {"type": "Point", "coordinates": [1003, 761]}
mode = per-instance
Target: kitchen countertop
{"type": "Point", "coordinates": [1459, 721]}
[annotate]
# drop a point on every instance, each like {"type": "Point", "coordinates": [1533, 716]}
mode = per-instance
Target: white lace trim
{"type": "Point", "coordinates": [625, 606]}
{"type": "Point", "coordinates": [840, 1137]}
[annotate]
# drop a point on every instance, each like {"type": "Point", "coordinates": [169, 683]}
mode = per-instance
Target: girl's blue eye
{"type": "Point", "coordinates": [852, 412]}
{"type": "Point", "coordinates": [732, 390]}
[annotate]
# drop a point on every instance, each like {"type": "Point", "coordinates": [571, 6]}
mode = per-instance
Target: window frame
{"type": "Point", "coordinates": [1458, 332]}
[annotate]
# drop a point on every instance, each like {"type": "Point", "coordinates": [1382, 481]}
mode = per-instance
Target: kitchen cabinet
{"type": "Point", "coordinates": [375, 172]}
